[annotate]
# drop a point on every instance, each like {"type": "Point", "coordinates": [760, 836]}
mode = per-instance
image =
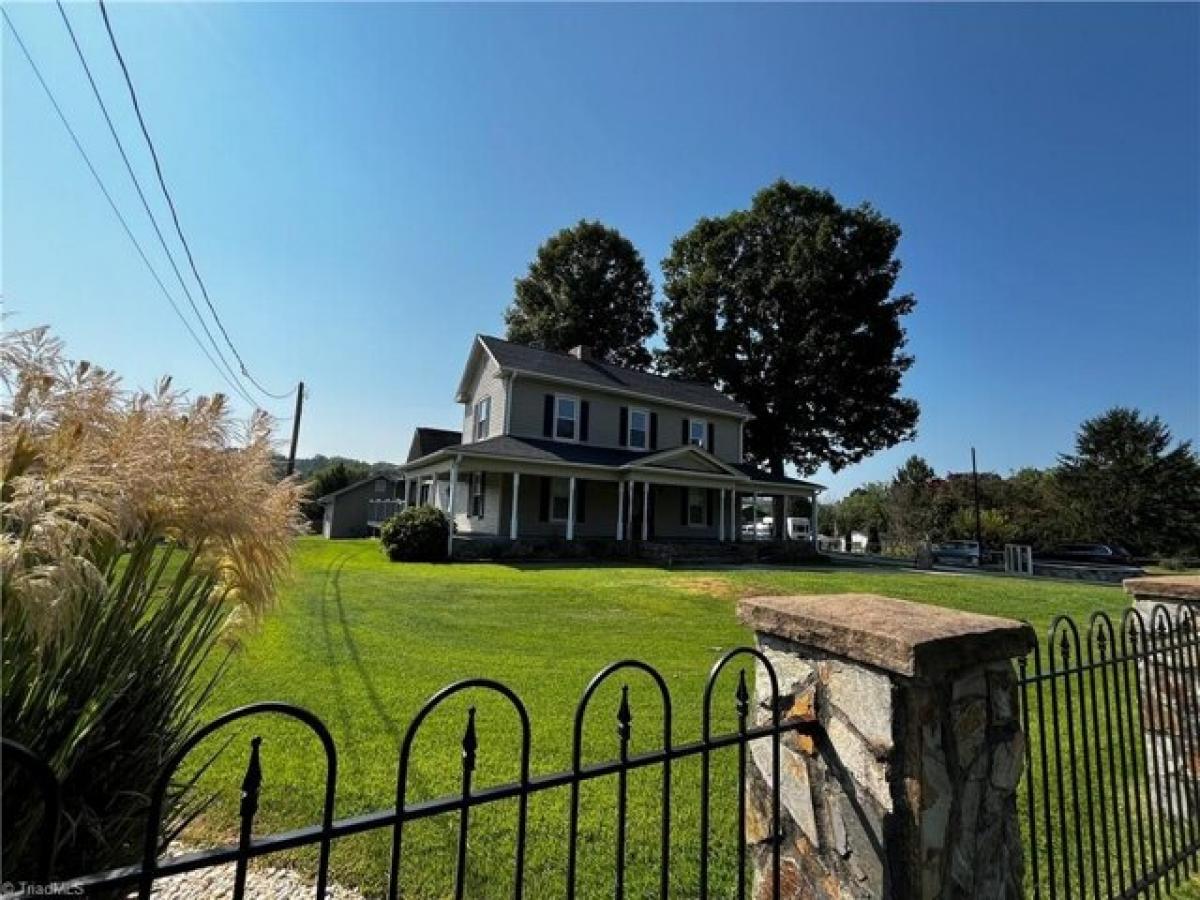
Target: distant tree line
{"type": "Point", "coordinates": [1127, 482]}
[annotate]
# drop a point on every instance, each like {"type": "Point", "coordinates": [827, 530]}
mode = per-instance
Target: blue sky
{"type": "Point", "coordinates": [361, 184]}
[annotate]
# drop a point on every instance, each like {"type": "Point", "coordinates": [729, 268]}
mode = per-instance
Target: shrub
{"type": "Point", "coordinates": [416, 534]}
{"type": "Point", "coordinates": [138, 530]}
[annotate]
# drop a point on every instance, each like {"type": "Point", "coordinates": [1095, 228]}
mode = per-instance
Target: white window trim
{"type": "Point", "coordinates": [703, 423]}
{"type": "Point", "coordinates": [553, 484]}
{"type": "Point", "coordinates": [703, 523]}
{"type": "Point", "coordinates": [634, 410]}
{"type": "Point", "coordinates": [476, 494]}
{"type": "Point", "coordinates": [574, 438]}
{"type": "Point", "coordinates": [482, 419]}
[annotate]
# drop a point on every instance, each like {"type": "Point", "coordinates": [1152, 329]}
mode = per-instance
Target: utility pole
{"type": "Point", "coordinates": [291, 466]}
{"type": "Point", "coordinates": [975, 488]}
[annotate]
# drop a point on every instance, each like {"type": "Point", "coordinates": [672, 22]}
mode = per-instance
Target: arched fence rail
{"type": "Point", "coordinates": [1111, 792]}
{"type": "Point", "coordinates": [154, 867]}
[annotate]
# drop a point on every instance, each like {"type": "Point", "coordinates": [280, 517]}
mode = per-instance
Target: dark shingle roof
{"type": "Point", "coordinates": [754, 473]}
{"type": "Point", "coordinates": [543, 450]}
{"type": "Point", "coordinates": [431, 440]}
{"type": "Point", "coordinates": [607, 376]}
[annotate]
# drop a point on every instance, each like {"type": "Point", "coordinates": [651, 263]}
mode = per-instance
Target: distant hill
{"type": "Point", "coordinates": [306, 466]}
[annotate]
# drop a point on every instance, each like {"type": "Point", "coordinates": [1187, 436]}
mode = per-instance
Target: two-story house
{"type": "Point", "coordinates": [563, 445]}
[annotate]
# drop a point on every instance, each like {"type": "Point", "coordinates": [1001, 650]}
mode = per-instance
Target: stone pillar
{"type": "Point", "coordinates": [910, 790]}
{"type": "Point", "coordinates": [1169, 687]}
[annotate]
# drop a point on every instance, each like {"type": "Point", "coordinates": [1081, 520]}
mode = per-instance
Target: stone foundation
{"type": "Point", "coordinates": [1170, 689]}
{"type": "Point", "coordinates": [911, 789]}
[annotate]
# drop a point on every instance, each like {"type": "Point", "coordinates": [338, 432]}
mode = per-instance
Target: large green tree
{"type": "Point", "coordinates": [587, 286]}
{"type": "Point", "coordinates": [1129, 484]}
{"type": "Point", "coordinates": [788, 306]}
{"type": "Point", "coordinates": [913, 494]}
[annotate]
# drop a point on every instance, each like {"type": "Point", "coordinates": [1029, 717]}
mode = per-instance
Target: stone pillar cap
{"type": "Point", "coordinates": [1169, 587]}
{"type": "Point", "coordinates": [911, 639]}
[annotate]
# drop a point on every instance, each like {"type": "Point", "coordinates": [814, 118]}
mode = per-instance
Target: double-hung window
{"type": "Point", "coordinates": [639, 428]}
{"type": "Point", "coordinates": [560, 499]}
{"type": "Point", "coordinates": [698, 433]}
{"type": "Point", "coordinates": [477, 494]}
{"type": "Point", "coordinates": [483, 418]}
{"type": "Point", "coordinates": [696, 502]}
{"type": "Point", "coordinates": [566, 418]}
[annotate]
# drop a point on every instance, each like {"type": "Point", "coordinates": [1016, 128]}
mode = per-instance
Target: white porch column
{"type": "Point", "coordinates": [452, 484]}
{"type": "Point", "coordinates": [571, 509]}
{"type": "Point", "coordinates": [735, 521]}
{"type": "Point", "coordinates": [516, 493]}
{"type": "Point", "coordinates": [816, 534]}
{"type": "Point", "coordinates": [721, 520]}
{"type": "Point", "coordinates": [620, 510]}
{"type": "Point", "coordinates": [754, 515]}
{"type": "Point", "coordinates": [645, 510]}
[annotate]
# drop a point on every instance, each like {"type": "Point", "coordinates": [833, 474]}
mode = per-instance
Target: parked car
{"type": "Point", "coordinates": [957, 553]}
{"type": "Point", "coordinates": [1088, 554]}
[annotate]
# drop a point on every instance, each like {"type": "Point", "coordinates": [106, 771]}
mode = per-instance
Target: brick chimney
{"type": "Point", "coordinates": [581, 352]}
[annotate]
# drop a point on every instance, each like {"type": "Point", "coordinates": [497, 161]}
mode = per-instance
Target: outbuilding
{"type": "Point", "coordinates": [354, 511]}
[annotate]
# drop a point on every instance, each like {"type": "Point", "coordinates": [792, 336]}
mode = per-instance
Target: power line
{"type": "Point", "coordinates": [116, 211]}
{"type": "Point", "coordinates": [142, 196]}
{"type": "Point", "coordinates": [174, 214]}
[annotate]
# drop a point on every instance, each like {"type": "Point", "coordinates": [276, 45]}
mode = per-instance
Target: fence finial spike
{"type": "Point", "coordinates": [624, 715]}
{"type": "Point", "coordinates": [470, 743]}
{"type": "Point", "coordinates": [252, 781]}
{"type": "Point", "coordinates": [742, 695]}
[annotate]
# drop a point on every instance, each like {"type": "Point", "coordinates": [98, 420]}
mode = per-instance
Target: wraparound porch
{"type": "Point", "coordinates": [500, 500]}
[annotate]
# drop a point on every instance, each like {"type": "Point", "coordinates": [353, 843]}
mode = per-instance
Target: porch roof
{"type": "Point", "coordinates": [540, 450]}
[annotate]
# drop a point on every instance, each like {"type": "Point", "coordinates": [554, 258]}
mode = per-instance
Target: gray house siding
{"type": "Point", "coordinates": [527, 417]}
{"type": "Point", "coordinates": [599, 508]}
{"type": "Point", "coordinates": [669, 521]}
{"type": "Point", "coordinates": [346, 513]}
{"type": "Point", "coordinates": [486, 383]}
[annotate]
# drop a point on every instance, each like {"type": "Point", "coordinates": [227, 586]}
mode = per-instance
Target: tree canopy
{"type": "Point", "coordinates": [1128, 484]}
{"type": "Point", "coordinates": [588, 286]}
{"type": "Point", "coordinates": [788, 307]}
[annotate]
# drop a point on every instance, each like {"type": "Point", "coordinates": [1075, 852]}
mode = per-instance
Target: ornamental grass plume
{"type": "Point", "coordinates": [139, 530]}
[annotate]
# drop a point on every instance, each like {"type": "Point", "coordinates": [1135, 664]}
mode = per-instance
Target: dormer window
{"type": "Point", "coordinates": [483, 418]}
{"type": "Point", "coordinates": [698, 433]}
{"type": "Point", "coordinates": [639, 428]}
{"type": "Point", "coordinates": [566, 417]}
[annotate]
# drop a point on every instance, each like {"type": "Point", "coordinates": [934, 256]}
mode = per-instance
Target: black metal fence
{"type": "Point", "coordinates": [1111, 793]}
{"type": "Point", "coordinates": [153, 868]}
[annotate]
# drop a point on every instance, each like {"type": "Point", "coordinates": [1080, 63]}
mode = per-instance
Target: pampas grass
{"type": "Point", "coordinates": [140, 530]}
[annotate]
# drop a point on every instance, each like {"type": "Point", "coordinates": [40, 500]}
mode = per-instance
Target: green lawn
{"type": "Point", "coordinates": [363, 642]}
